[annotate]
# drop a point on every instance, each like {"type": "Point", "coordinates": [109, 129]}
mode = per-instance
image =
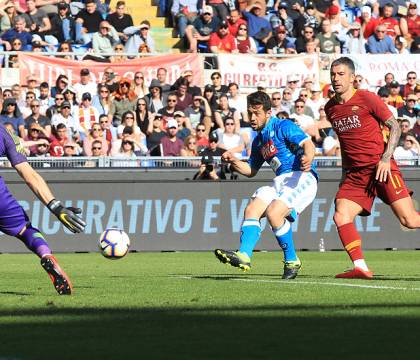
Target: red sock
{"type": "Point", "coordinates": [351, 241]}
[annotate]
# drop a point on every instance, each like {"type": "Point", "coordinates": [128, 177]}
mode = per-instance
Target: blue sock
{"type": "Point", "coordinates": [284, 237]}
{"type": "Point", "coordinates": [250, 234]}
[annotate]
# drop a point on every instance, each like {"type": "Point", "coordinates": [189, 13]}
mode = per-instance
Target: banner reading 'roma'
{"type": "Point", "coordinates": [49, 68]}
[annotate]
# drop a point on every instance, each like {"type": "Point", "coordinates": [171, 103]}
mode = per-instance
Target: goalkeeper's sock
{"type": "Point", "coordinates": [352, 243]}
{"type": "Point", "coordinates": [250, 234]}
{"type": "Point", "coordinates": [284, 236]}
{"type": "Point", "coordinates": [34, 241]}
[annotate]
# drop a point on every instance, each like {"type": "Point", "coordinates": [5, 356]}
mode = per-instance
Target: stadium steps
{"type": "Point", "coordinates": [164, 36]}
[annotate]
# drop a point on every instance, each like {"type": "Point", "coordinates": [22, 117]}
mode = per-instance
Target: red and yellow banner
{"type": "Point", "coordinates": [49, 68]}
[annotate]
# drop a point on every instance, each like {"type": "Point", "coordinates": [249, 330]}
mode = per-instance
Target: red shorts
{"type": "Point", "coordinates": [361, 187]}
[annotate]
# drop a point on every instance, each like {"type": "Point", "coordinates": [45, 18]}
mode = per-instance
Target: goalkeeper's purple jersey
{"type": "Point", "coordinates": [279, 144]}
{"type": "Point", "coordinates": [11, 147]}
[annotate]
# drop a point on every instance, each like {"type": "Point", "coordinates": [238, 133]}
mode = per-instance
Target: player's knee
{"type": "Point", "coordinates": [410, 222]}
{"type": "Point", "coordinates": [340, 218]}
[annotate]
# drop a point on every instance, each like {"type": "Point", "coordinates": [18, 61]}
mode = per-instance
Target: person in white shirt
{"type": "Point", "coordinates": [305, 122]}
{"type": "Point", "coordinates": [238, 101]}
{"type": "Point", "coordinates": [293, 84]}
{"type": "Point", "coordinates": [315, 101]}
{"type": "Point", "coordinates": [65, 117]}
{"type": "Point", "coordinates": [85, 85]}
{"type": "Point", "coordinates": [410, 149]}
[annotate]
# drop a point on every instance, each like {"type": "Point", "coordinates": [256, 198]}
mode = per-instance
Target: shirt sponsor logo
{"type": "Point", "coordinates": [347, 123]}
{"type": "Point", "coordinates": [268, 150]}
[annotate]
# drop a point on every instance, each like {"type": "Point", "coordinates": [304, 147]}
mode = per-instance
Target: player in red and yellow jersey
{"type": "Point", "coordinates": [369, 170]}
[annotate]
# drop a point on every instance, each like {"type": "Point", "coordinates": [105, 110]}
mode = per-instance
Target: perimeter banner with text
{"type": "Point", "coordinates": [194, 215]}
{"type": "Point", "coordinates": [49, 68]}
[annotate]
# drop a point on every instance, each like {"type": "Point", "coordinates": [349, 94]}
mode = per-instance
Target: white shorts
{"type": "Point", "coordinates": [296, 189]}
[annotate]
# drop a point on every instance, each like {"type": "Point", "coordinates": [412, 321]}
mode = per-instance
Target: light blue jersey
{"type": "Point", "coordinates": [279, 144]}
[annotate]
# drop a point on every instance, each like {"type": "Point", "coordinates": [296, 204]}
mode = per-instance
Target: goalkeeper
{"type": "Point", "coordinates": [15, 222]}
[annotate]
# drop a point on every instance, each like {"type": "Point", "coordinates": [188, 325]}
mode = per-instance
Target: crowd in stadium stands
{"type": "Point", "coordinates": [126, 118]}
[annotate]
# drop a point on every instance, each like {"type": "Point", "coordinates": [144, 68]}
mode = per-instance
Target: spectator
{"type": "Point", "coordinates": [210, 96]}
{"type": "Point", "coordinates": [60, 84]}
{"type": "Point", "coordinates": [388, 78]}
{"type": "Point", "coordinates": [221, 41]}
{"type": "Point", "coordinates": [390, 23]}
{"type": "Point", "coordinates": [155, 98]}
{"type": "Point", "coordinates": [86, 85]}
{"type": "Point", "coordinates": [70, 96]}
{"type": "Point", "coordinates": [96, 150]}
{"type": "Point", "coordinates": [184, 13]}
{"type": "Point", "coordinates": [258, 27]}
{"type": "Point", "coordinates": [39, 23]}
{"type": "Point", "coordinates": [109, 132]}
{"type": "Point", "coordinates": [416, 129]}
{"type": "Point", "coordinates": [26, 108]}
{"type": "Point", "coordinates": [279, 44]}
{"type": "Point", "coordinates": [199, 31]}
{"type": "Point", "coordinates": [410, 23]}
{"type": "Point", "coordinates": [155, 133]}
{"type": "Point", "coordinates": [87, 114]}
{"type": "Point", "coordinates": [380, 43]}
{"type": "Point", "coordinates": [405, 130]}
{"type": "Point", "coordinates": [287, 100]}
{"type": "Point", "coordinates": [331, 146]}
{"type": "Point", "coordinates": [110, 80]}
{"type": "Point", "coordinates": [188, 76]}
{"type": "Point", "coordinates": [310, 15]}
{"type": "Point", "coordinates": [128, 120]}
{"type": "Point", "coordinates": [125, 99]}
{"type": "Point", "coordinates": [230, 140]}
{"type": "Point", "coordinates": [225, 112]}
{"type": "Point", "coordinates": [184, 125]}
{"type": "Point", "coordinates": [315, 101]}
{"type": "Point", "coordinates": [161, 76]}
{"type": "Point", "coordinates": [169, 110]}
{"type": "Point", "coordinates": [95, 135]}
{"type": "Point", "coordinates": [368, 22]}
{"type": "Point", "coordinates": [87, 22]}
{"type": "Point", "coordinates": [327, 40]}
{"type": "Point", "coordinates": [293, 85]}
{"type": "Point", "coordinates": [308, 35]}
{"type": "Point", "coordinates": [198, 112]}
{"type": "Point", "coordinates": [213, 149]}
{"type": "Point", "coordinates": [305, 122]}
{"type": "Point", "coordinates": [409, 87]}
{"type": "Point", "coordinates": [415, 46]}
{"type": "Point", "coordinates": [235, 21]}
{"type": "Point", "coordinates": [184, 99]}
{"type": "Point", "coordinates": [395, 98]}
{"type": "Point", "coordinates": [35, 134]}
{"type": "Point", "coordinates": [190, 147]}
{"type": "Point", "coordinates": [201, 138]}
{"type": "Point", "coordinates": [354, 43]}
{"type": "Point", "coordinates": [63, 23]}
{"type": "Point", "coordinates": [339, 24]}
{"type": "Point", "coordinates": [140, 87]}
{"type": "Point", "coordinates": [44, 97]}
{"type": "Point", "coordinates": [218, 88]}
{"type": "Point", "coordinates": [142, 115]}
{"type": "Point", "coordinates": [58, 140]}
{"type": "Point", "coordinates": [281, 18]}
{"type": "Point", "coordinates": [171, 144]}
{"type": "Point", "coordinates": [207, 169]}
{"type": "Point", "coordinates": [276, 106]}
{"type": "Point", "coordinates": [409, 149]}
{"type": "Point", "coordinates": [104, 40]}
{"type": "Point", "coordinates": [17, 32]}
{"type": "Point", "coordinates": [7, 15]}
{"type": "Point", "coordinates": [102, 101]}
{"type": "Point", "coordinates": [36, 117]}
{"type": "Point", "coordinates": [383, 93]}
{"type": "Point", "coordinates": [55, 108]}
{"type": "Point", "coordinates": [220, 10]}
{"type": "Point", "coordinates": [238, 102]}
{"type": "Point", "coordinates": [120, 20]}
{"type": "Point", "coordinates": [65, 117]}
{"type": "Point", "coordinates": [401, 45]}
{"type": "Point", "coordinates": [118, 57]}
{"type": "Point", "coordinates": [408, 111]}
{"type": "Point", "coordinates": [137, 36]}
{"type": "Point", "coordinates": [125, 155]}
{"type": "Point", "coordinates": [31, 84]}
{"type": "Point", "coordinates": [244, 43]}
{"type": "Point", "coordinates": [11, 114]}
{"type": "Point", "coordinates": [304, 96]}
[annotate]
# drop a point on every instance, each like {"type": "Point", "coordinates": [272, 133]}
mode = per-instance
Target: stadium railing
{"type": "Point", "coordinates": [170, 163]}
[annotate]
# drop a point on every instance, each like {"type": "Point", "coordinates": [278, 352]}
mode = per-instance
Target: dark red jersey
{"type": "Point", "coordinates": [358, 124]}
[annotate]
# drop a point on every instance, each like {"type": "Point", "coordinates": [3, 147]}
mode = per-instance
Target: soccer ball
{"type": "Point", "coordinates": [114, 244]}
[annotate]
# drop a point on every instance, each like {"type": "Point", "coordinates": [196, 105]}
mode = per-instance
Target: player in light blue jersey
{"type": "Point", "coordinates": [289, 152]}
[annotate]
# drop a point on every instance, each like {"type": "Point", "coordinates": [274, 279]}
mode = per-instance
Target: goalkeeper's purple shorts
{"type": "Point", "coordinates": [12, 216]}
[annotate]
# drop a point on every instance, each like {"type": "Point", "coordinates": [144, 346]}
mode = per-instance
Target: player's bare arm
{"type": "Point", "coordinates": [383, 169]}
{"type": "Point", "coordinates": [239, 166]}
{"type": "Point", "coordinates": [308, 155]}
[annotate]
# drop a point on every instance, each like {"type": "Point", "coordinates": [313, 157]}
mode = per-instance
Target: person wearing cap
{"type": "Point", "coordinates": [104, 40]}
{"type": "Point", "coordinates": [207, 169]}
{"type": "Point", "coordinates": [85, 85]}
{"type": "Point", "coordinates": [316, 100]}
{"type": "Point", "coordinates": [87, 22]}
{"type": "Point", "coordinates": [213, 148]}
{"type": "Point", "coordinates": [155, 99]}
{"type": "Point", "coordinates": [10, 114]}
{"type": "Point", "coordinates": [139, 35]}
{"type": "Point", "coordinates": [184, 13]}
{"type": "Point", "coordinates": [391, 24]}
{"type": "Point", "coordinates": [258, 26]}
{"type": "Point", "coordinates": [410, 23]}
{"type": "Point", "coordinates": [171, 144]}
{"type": "Point", "coordinates": [221, 41]}
{"type": "Point", "coordinates": [64, 116]}
{"type": "Point", "coordinates": [87, 115]}
{"type": "Point", "coordinates": [354, 42]}
{"type": "Point", "coordinates": [199, 31]}
{"type": "Point", "coordinates": [279, 44]}
{"type": "Point", "coordinates": [120, 20]}
{"type": "Point", "coordinates": [63, 24]}
{"type": "Point", "coordinates": [380, 42]}
{"type": "Point", "coordinates": [367, 21]}
{"type": "Point", "coordinates": [184, 125]}
{"type": "Point", "coordinates": [408, 111]}
{"type": "Point", "coordinates": [395, 99]}
{"type": "Point", "coordinates": [339, 24]}
{"type": "Point", "coordinates": [310, 15]}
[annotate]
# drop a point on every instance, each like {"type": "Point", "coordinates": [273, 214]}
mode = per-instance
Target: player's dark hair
{"type": "Point", "coordinates": [346, 62]}
{"type": "Point", "coordinates": [259, 98]}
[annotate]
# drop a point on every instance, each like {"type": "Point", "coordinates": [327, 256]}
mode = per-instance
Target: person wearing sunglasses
{"type": "Point", "coordinates": [11, 114]}
{"type": "Point", "coordinates": [125, 99]}
{"type": "Point", "coordinates": [235, 20]}
{"type": "Point", "coordinates": [103, 41]}
{"type": "Point", "coordinates": [380, 42]}
{"type": "Point", "coordinates": [190, 147]}
{"type": "Point", "coordinates": [279, 44]}
{"type": "Point", "coordinates": [307, 35]}
{"type": "Point", "coordinates": [38, 118]}
{"type": "Point", "coordinates": [139, 35]}
{"type": "Point", "coordinates": [95, 135]}
{"type": "Point", "coordinates": [244, 43]}
{"type": "Point", "coordinates": [410, 86]}
{"type": "Point", "coordinates": [217, 86]}
{"type": "Point", "coordinates": [408, 111]}
{"type": "Point", "coordinates": [221, 41]}
{"type": "Point", "coordinates": [198, 111]}
{"type": "Point", "coordinates": [140, 87]}
{"type": "Point", "coordinates": [305, 122]}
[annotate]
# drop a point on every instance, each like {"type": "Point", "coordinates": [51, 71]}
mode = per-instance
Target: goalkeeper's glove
{"type": "Point", "coordinates": [69, 216]}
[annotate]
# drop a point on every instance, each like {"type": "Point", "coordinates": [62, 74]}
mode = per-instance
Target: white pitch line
{"type": "Point", "coordinates": [283, 282]}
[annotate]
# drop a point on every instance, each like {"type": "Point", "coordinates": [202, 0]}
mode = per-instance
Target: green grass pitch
{"type": "Point", "coordinates": [190, 306]}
